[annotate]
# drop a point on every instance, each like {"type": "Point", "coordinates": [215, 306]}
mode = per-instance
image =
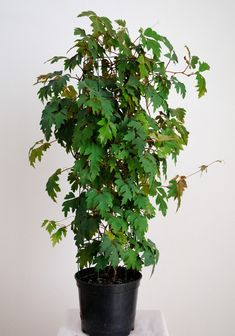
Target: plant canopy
{"type": "Point", "coordinates": [108, 107]}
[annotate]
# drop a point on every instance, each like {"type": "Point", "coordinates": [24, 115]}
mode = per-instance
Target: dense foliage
{"type": "Point", "coordinates": [108, 108]}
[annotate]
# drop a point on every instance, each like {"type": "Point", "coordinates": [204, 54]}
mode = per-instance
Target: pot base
{"type": "Point", "coordinates": [101, 334]}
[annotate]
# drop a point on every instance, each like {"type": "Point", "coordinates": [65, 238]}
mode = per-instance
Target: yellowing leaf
{"type": "Point", "coordinates": [69, 92]}
{"type": "Point", "coordinates": [163, 137]}
{"type": "Point", "coordinates": [110, 235]}
{"type": "Point", "coordinates": [58, 235]}
{"type": "Point", "coordinates": [176, 188]}
{"type": "Point", "coordinates": [37, 153]}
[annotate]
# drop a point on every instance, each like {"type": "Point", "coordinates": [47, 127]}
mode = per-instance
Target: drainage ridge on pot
{"type": "Point", "coordinates": [108, 309]}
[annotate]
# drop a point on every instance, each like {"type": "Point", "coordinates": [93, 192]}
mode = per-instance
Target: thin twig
{"type": "Point", "coordinates": [201, 170]}
{"type": "Point", "coordinates": [76, 78]}
{"type": "Point", "coordinates": [168, 64]}
{"type": "Point", "coordinates": [61, 220]}
{"type": "Point", "coordinates": [186, 68]}
{"type": "Point", "coordinates": [147, 106]}
{"type": "Point", "coordinates": [181, 72]}
{"type": "Point", "coordinates": [204, 168]}
{"type": "Point", "coordinates": [52, 141]}
{"type": "Point", "coordinates": [63, 170]}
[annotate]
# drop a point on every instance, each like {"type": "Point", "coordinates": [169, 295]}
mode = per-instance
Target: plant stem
{"type": "Point", "coordinates": [182, 72]}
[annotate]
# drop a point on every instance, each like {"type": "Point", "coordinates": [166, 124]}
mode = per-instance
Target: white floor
{"type": "Point", "coordinates": [147, 323]}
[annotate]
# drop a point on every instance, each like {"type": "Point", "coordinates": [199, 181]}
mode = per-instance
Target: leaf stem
{"type": "Point", "coordinates": [61, 220]}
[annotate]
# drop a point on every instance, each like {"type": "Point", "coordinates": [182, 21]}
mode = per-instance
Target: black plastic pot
{"type": "Point", "coordinates": [107, 309]}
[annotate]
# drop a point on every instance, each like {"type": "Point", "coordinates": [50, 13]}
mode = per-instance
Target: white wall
{"type": "Point", "coordinates": [194, 282]}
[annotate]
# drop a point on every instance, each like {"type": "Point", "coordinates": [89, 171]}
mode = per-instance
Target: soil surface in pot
{"type": "Point", "coordinates": [110, 276]}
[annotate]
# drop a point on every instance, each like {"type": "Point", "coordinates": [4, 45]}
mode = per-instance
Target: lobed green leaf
{"type": "Point", "coordinates": [52, 186]}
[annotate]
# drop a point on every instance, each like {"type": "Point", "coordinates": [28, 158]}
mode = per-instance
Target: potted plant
{"type": "Point", "coordinates": [109, 109]}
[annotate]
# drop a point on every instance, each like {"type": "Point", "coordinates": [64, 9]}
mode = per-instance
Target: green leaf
{"type": "Point", "coordinates": [79, 31]}
{"type": "Point", "coordinates": [203, 67]}
{"type": "Point", "coordinates": [82, 171]}
{"type": "Point", "coordinates": [107, 107]}
{"type": "Point", "coordinates": [73, 62]}
{"type": "Point", "coordinates": [174, 57]}
{"type": "Point", "coordinates": [155, 46]}
{"type": "Point", "coordinates": [55, 59]}
{"type": "Point", "coordinates": [172, 189]}
{"type": "Point", "coordinates": [86, 254]}
{"type": "Point", "coordinates": [95, 154]}
{"type": "Point", "coordinates": [149, 165]}
{"type": "Point", "coordinates": [124, 190]}
{"type": "Point", "coordinates": [86, 13]}
{"type": "Point", "coordinates": [154, 96]}
{"type": "Point", "coordinates": [49, 225]}
{"type": "Point", "coordinates": [142, 202]}
{"type": "Point", "coordinates": [63, 135]}
{"type": "Point", "coordinates": [108, 24]}
{"type": "Point", "coordinates": [101, 201]}
{"type": "Point", "coordinates": [73, 179]}
{"type": "Point", "coordinates": [105, 202]}
{"type": "Point", "coordinates": [121, 23]}
{"type": "Point", "coordinates": [139, 223]}
{"type": "Point", "coordinates": [70, 203]}
{"type": "Point", "coordinates": [82, 135]}
{"type": "Point", "coordinates": [118, 224]}
{"type": "Point", "coordinates": [91, 198]}
{"type": "Point", "coordinates": [161, 202]}
{"type": "Point", "coordinates": [86, 226]}
{"type": "Point", "coordinates": [94, 104]}
{"type": "Point", "coordinates": [130, 259]}
{"type": "Point", "coordinates": [37, 153]}
{"type": "Point", "coordinates": [149, 258]}
{"type": "Point", "coordinates": [179, 86]}
{"type": "Point", "coordinates": [89, 227]}
{"type": "Point", "coordinates": [179, 113]}
{"type": "Point", "coordinates": [85, 257]}
{"type": "Point", "coordinates": [194, 61]}
{"type": "Point", "coordinates": [98, 27]}
{"type": "Point", "coordinates": [58, 235]}
{"type": "Point", "coordinates": [109, 248]}
{"type": "Point", "coordinates": [201, 85]}
{"type": "Point", "coordinates": [143, 70]}
{"type": "Point", "coordinates": [130, 136]}
{"type": "Point", "coordinates": [57, 82]}
{"type": "Point", "coordinates": [107, 131]}
{"type": "Point", "coordinates": [151, 254]}
{"type": "Point", "coordinates": [101, 262]}
{"type": "Point", "coordinates": [52, 115]}
{"type": "Point", "coordinates": [100, 104]}
{"type": "Point", "coordinates": [52, 186]}
{"type": "Point", "coordinates": [151, 33]}
{"type": "Point", "coordinates": [45, 92]}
